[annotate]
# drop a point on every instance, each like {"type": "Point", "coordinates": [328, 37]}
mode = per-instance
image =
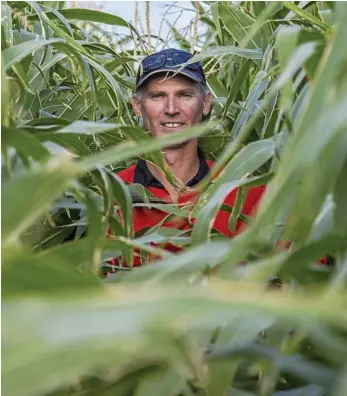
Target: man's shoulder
{"type": "Point", "coordinates": [127, 175]}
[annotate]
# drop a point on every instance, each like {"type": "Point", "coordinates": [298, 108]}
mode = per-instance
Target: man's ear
{"type": "Point", "coordinates": [136, 106]}
{"type": "Point", "coordinates": [207, 104]}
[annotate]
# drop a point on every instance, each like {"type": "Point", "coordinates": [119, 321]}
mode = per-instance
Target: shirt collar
{"type": "Point", "coordinates": [144, 176]}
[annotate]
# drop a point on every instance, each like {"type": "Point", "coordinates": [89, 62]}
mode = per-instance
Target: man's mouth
{"type": "Point", "coordinates": [172, 124]}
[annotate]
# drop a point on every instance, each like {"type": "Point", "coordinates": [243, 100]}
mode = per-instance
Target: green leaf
{"type": "Point", "coordinates": [62, 19]}
{"type": "Point", "coordinates": [257, 89]}
{"type": "Point", "coordinates": [96, 232]}
{"type": "Point", "coordinates": [342, 384]}
{"type": "Point", "coordinates": [24, 143]}
{"type": "Point", "coordinates": [41, 276]}
{"type": "Point", "coordinates": [309, 390]}
{"type": "Point", "coordinates": [237, 82]}
{"type": "Point", "coordinates": [111, 81]}
{"type": "Point", "coordinates": [290, 364]}
{"type": "Point", "coordinates": [67, 141]}
{"type": "Point", "coordinates": [199, 258]}
{"type": "Point", "coordinates": [215, 16]}
{"type": "Point", "coordinates": [263, 26]}
{"type": "Point", "coordinates": [34, 78]}
{"type": "Point", "coordinates": [340, 212]}
{"type": "Point", "coordinates": [15, 54]}
{"type": "Point", "coordinates": [306, 15]}
{"type": "Point", "coordinates": [300, 55]}
{"type": "Point", "coordinates": [167, 208]}
{"type": "Point", "coordinates": [245, 162]}
{"type": "Point", "coordinates": [128, 336]}
{"type": "Point", "coordinates": [123, 199]}
{"type": "Point", "coordinates": [28, 196]}
{"type": "Point", "coordinates": [221, 375]}
{"type": "Point", "coordinates": [88, 128]}
{"type": "Point", "coordinates": [208, 210]}
{"type": "Point", "coordinates": [6, 26]}
{"type": "Point", "coordinates": [332, 62]}
{"type": "Point", "coordinates": [5, 100]}
{"type": "Point", "coordinates": [84, 14]}
{"type": "Point", "coordinates": [286, 40]}
{"type": "Point", "coordinates": [227, 50]}
{"type": "Point", "coordinates": [49, 121]}
{"type": "Point", "coordinates": [164, 234]}
{"type": "Point", "coordinates": [238, 24]}
{"type": "Point", "coordinates": [165, 382]}
{"type": "Point", "coordinates": [235, 214]}
{"type": "Point", "coordinates": [307, 207]}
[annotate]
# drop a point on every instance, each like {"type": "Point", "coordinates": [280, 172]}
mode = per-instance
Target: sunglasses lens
{"type": "Point", "coordinates": [153, 62]}
{"type": "Point", "coordinates": [179, 58]}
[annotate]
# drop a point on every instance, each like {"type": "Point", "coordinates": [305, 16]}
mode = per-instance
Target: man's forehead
{"type": "Point", "coordinates": [169, 80]}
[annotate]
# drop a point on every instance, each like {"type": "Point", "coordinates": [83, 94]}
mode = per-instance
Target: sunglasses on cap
{"type": "Point", "coordinates": [170, 60]}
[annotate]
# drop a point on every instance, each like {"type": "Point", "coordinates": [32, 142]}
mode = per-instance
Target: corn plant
{"type": "Point", "coordinates": [198, 322]}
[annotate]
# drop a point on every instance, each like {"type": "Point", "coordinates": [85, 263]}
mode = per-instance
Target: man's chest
{"type": "Point", "coordinates": [146, 218]}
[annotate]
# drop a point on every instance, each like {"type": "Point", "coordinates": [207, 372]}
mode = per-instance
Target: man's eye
{"type": "Point", "coordinates": [186, 95]}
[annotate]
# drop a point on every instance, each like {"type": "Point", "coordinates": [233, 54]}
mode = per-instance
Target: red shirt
{"type": "Point", "coordinates": [145, 218]}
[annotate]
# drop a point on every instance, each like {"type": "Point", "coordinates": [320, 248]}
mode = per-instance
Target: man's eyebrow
{"type": "Point", "coordinates": [155, 92]}
{"type": "Point", "coordinates": [187, 90]}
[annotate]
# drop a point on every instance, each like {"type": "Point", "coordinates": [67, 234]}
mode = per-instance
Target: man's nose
{"type": "Point", "coordinates": [171, 107]}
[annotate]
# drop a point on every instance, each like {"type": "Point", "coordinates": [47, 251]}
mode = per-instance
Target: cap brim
{"type": "Point", "coordinates": [186, 73]}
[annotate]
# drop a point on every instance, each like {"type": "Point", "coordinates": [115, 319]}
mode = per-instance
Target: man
{"type": "Point", "coordinates": [167, 105]}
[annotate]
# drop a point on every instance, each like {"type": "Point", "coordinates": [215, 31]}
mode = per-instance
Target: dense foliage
{"type": "Point", "coordinates": [196, 323]}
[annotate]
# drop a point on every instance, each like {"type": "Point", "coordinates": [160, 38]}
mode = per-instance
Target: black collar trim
{"type": "Point", "coordinates": [144, 176]}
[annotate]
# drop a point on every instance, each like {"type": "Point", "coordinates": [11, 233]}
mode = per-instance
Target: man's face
{"type": "Point", "coordinates": [171, 105]}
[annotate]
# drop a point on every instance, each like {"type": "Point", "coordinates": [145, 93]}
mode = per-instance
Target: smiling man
{"type": "Point", "coordinates": [167, 105]}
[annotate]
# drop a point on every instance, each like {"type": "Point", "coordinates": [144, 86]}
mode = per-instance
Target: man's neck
{"type": "Point", "coordinates": [183, 162]}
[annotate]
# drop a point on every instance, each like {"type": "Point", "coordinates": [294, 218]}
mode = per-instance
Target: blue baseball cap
{"type": "Point", "coordinates": [169, 60]}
